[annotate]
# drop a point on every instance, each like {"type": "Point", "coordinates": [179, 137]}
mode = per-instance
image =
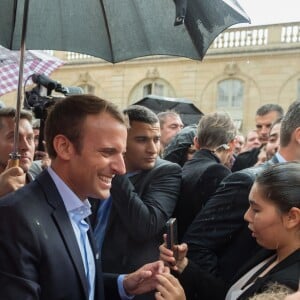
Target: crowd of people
{"type": "Point", "coordinates": [85, 218]}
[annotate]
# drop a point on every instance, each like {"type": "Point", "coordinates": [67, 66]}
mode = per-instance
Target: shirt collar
{"type": "Point", "coordinates": [280, 158]}
{"type": "Point", "coordinates": [71, 201]}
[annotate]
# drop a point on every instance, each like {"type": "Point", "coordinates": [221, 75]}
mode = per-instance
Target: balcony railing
{"type": "Point", "coordinates": [267, 35]}
{"type": "Point", "coordinates": [240, 39]}
{"type": "Point", "coordinates": [290, 34]}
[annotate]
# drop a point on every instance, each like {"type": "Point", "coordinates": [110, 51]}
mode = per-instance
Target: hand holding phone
{"type": "Point", "coordinates": [171, 225]}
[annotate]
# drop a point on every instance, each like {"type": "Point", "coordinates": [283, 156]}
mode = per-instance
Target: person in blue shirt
{"type": "Point", "coordinates": [47, 250]}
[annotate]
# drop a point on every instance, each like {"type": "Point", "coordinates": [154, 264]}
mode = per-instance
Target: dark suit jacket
{"type": "Point", "coordinates": [246, 159]}
{"type": "Point", "coordinates": [200, 178]}
{"type": "Point", "coordinates": [219, 239]}
{"type": "Point", "coordinates": [141, 205]}
{"type": "Point", "coordinates": [39, 254]}
{"type": "Point", "coordinates": [287, 272]}
{"type": "Point", "coordinates": [200, 285]}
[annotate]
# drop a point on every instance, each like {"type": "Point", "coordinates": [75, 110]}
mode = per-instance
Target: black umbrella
{"type": "Point", "coordinates": [115, 30]}
{"type": "Point", "coordinates": [189, 113]}
{"type": "Point", "coordinates": [118, 30]}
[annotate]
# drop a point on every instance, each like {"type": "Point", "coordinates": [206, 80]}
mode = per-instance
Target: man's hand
{"type": "Point", "coordinates": [144, 279]}
{"type": "Point", "coordinates": [11, 179]}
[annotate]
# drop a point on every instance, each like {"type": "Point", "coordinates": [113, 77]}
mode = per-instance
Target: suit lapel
{"type": "Point", "coordinates": [67, 233]}
{"type": "Point", "coordinates": [64, 225]}
{"type": "Point", "coordinates": [98, 279]}
{"type": "Point", "coordinates": [92, 241]}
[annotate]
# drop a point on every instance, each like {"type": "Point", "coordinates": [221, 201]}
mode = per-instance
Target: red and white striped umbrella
{"type": "Point", "coordinates": [35, 61]}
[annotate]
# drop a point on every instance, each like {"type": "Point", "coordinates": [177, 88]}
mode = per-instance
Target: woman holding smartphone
{"type": "Point", "coordinates": [274, 221]}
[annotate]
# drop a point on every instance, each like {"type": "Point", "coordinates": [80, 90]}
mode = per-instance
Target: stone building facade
{"type": "Point", "coordinates": [243, 69]}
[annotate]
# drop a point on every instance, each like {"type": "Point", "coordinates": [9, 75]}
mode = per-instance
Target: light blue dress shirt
{"type": "Point", "coordinates": [78, 210]}
{"type": "Point", "coordinates": [74, 206]}
{"type": "Point", "coordinates": [280, 157]}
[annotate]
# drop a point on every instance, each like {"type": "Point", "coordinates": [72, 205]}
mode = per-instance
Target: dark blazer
{"type": "Point", "coordinates": [287, 272]}
{"type": "Point", "coordinates": [39, 254]}
{"type": "Point", "coordinates": [219, 239]}
{"type": "Point", "coordinates": [141, 205]}
{"type": "Point", "coordinates": [200, 285]}
{"type": "Point", "coordinates": [246, 159]}
{"type": "Point", "coordinates": [200, 178]}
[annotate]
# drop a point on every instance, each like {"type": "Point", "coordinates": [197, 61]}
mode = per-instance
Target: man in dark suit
{"type": "Point", "coordinates": [46, 249]}
{"type": "Point", "coordinates": [265, 116]}
{"type": "Point", "coordinates": [17, 176]}
{"type": "Point", "coordinates": [218, 239]}
{"type": "Point", "coordinates": [202, 174]}
{"type": "Point", "coordinates": [141, 200]}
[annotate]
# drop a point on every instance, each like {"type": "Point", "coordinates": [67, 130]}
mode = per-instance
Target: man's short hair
{"type": "Point", "coordinates": [36, 124]}
{"type": "Point", "coordinates": [289, 123]}
{"type": "Point", "coordinates": [10, 112]}
{"type": "Point", "coordinates": [67, 116]}
{"type": "Point", "coordinates": [140, 113]}
{"type": "Point", "coordinates": [215, 129]}
{"type": "Point", "coordinates": [274, 291]}
{"type": "Point", "coordinates": [267, 108]}
{"type": "Point", "coordinates": [162, 116]}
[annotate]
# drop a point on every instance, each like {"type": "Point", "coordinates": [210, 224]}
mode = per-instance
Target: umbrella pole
{"type": "Point", "coordinates": [15, 155]}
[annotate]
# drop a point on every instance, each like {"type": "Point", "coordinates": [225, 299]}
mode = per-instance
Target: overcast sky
{"type": "Point", "coordinates": [271, 11]}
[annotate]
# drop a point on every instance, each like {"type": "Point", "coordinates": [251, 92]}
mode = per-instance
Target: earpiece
{"type": "Point", "coordinates": [222, 147]}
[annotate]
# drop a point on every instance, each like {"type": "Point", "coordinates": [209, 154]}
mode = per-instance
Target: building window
{"type": "Point", "coordinates": [146, 87]}
{"type": "Point", "coordinates": [230, 99]}
{"type": "Point", "coordinates": [87, 88]}
{"type": "Point", "coordinates": [153, 88]}
{"type": "Point", "coordinates": [230, 94]}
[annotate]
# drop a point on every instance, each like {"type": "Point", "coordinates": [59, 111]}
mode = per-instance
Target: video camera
{"type": "Point", "coordinates": [38, 100]}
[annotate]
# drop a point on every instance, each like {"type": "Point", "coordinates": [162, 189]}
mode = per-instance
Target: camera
{"type": "Point", "coordinates": [39, 99]}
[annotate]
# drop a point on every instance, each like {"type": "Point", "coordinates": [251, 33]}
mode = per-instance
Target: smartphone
{"type": "Point", "coordinates": [171, 225]}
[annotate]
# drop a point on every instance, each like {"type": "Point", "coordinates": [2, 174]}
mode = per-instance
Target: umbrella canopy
{"type": "Point", "coordinates": [114, 30]}
{"type": "Point", "coordinates": [119, 30]}
{"type": "Point", "coordinates": [189, 113]}
{"type": "Point", "coordinates": [35, 62]}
